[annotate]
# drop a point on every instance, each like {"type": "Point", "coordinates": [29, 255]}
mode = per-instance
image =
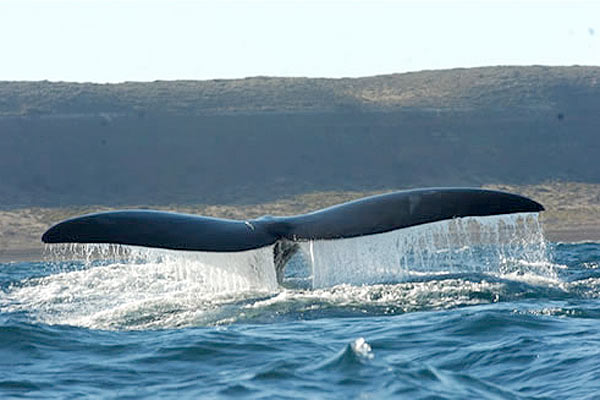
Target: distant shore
{"type": "Point", "coordinates": [262, 139]}
{"type": "Point", "coordinates": [572, 215]}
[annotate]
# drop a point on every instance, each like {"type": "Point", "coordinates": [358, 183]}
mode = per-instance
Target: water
{"type": "Point", "coordinates": [470, 308]}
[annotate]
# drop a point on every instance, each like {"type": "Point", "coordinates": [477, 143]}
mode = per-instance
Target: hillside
{"type": "Point", "coordinates": [260, 139]}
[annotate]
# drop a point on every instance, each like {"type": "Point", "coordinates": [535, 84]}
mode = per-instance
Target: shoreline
{"type": "Point", "coordinates": [8, 256]}
{"type": "Point", "coordinates": [589, 235]}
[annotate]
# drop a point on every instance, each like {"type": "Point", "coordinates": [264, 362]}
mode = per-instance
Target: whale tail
{"type": "Point", "coordinates": [367, 216]}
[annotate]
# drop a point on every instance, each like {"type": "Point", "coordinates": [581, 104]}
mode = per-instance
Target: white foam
{"type": "Point", "coordinates": [362, 349]}
{"type": "Point", "coordinates": [153, 288]}
{"type": "Point", "coordinates": [399, 297]}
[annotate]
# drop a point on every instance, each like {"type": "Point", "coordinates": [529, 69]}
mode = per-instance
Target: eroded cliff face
{"type": "Point", "coordinates": [259, 139]}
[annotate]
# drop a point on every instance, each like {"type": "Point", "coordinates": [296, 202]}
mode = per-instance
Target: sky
{"type": "Point", "coordinates": [147, 40]}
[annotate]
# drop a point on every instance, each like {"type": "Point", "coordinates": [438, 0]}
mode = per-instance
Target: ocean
{"type": "Point", "coordinates": [467, 308]}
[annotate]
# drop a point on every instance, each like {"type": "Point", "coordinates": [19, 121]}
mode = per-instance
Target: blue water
{"type": "Point", "coordinates": [166, 328]}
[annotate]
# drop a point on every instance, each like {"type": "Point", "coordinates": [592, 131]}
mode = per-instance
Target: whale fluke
{"type": "Point", "coordinates": [367, 216]}
{"type": "Point", "coordinates": [162, 230]}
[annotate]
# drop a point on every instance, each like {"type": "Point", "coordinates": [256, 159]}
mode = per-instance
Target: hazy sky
{"type": "Point", "coordinates": [141, 40]}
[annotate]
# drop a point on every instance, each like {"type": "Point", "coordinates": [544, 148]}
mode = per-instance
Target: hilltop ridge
{"type": "Point", "coordinates": [535, 88]}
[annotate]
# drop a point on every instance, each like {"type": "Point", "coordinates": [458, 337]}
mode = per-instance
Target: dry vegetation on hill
{"type": "Point", "coordinates": [572, 209]}
{"type": "Point", "coordinates": [533, 88]}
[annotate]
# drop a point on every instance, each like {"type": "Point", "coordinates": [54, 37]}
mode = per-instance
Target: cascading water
{"type": "Point", "coordinates": [500, 245]}
{"type": "Point", "coordinates": [124, 287]}
{"type": "Point", "coordinates": [215, 272]}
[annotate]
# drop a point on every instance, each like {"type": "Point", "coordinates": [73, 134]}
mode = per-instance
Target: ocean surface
{"type": "Point", "coordinates": [469, 308]}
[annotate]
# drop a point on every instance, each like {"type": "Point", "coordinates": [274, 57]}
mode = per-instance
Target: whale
{"type": "Point", "coordinates": [366, 216]}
